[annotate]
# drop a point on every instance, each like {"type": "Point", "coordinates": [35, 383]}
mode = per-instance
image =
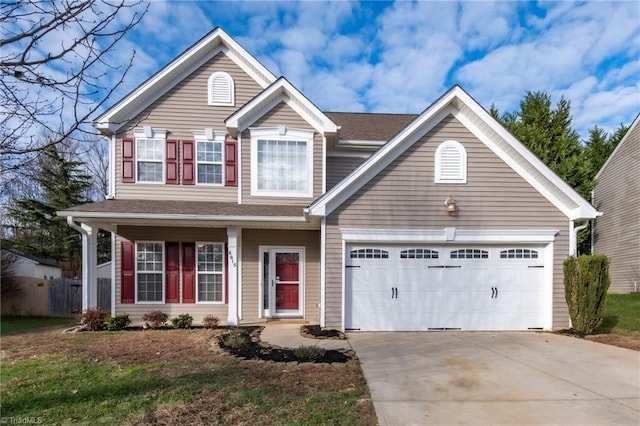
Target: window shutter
{"type": "Point", "coordinates": [172, 271]}
{"type": "Point", "coordinates": [172, 162]}
{"type": "Point", "coordinates": [451, 163]}
{"type": "Point", "coordinates": [188, 273]}
{"type": "Point", "coordinates": [188, 164]}
{"type": "Point", "coordinates": [127, 277]}
{"type": "Point", "coordinates": [231, 164]}
{"type": "Point", "coordinates": [128, 161]}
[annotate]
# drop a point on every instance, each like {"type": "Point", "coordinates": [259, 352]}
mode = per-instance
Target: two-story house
{"type": "Point", "coordinates": [233, 194]}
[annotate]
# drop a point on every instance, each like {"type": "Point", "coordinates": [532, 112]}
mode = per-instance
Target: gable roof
{"type": "Point", "coordinates": [169, 76]}
{"type": "Point", "coordinates": [627, 136]}
{"type": "Point", "coordinates": [31, 258]}
{"type": "Point", "coordinates": [280, 91]}
{"type": "Point", "coordinates": [470, 113]}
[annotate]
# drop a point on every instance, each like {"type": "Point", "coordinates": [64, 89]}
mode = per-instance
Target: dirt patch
{"type": "Point", "coordinates": [316, 332]}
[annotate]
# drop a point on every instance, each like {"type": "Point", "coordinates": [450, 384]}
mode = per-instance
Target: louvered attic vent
{"type": "Point", "coordinates": [221, 89]}
{"type": "Point", "coordinates": [451, 163]}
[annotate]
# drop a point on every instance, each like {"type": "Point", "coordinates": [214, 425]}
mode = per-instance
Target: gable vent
{"type": "Point", "coordinates": [451, 163]}
{"type": "Point", "coordinates": [221, 89]}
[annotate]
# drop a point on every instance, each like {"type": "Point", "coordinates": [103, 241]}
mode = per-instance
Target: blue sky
{"type": "Point", "coordinates": [400, 56]}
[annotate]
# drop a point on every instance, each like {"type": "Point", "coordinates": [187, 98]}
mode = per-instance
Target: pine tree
{"type": "Point", "coordinates": [34, 226]}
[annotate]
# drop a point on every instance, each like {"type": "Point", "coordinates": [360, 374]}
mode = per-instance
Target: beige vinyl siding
{"type": "Point", "coordinates": [252, 239]}
{"type": "Point", "coordinates": [281, 115]}
{"type": "Point", "coordinates": [197, 310]}
{"type": "Point", "coordinates": [617, 231]}
{"type": "Point", "coordinates": [404, 196]}
{"type": "Point", "coordinates": [340, 166]}
{"type": "Point", "coordinates": [180, 111]}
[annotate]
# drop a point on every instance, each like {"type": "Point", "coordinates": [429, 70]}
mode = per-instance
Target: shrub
{"type": "Point", "coordinates": [236, 338]}
{"type": "Point", "coordinates": [94, 319]}
{"type": "Point", "coordinates": [306, 353]}
{"type": "Point", "coordinates": [182, 321]}
{"type": "Point", "coordinates": [586, 281]}
{"type": "Point", "coordinates": [155, 319]}
{"type": "Point", "coordinates": [211, 321]}
{"type": "Point", "coordinates": [119, 322]}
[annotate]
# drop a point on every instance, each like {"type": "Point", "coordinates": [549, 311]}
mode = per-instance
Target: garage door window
{"type": "Point", "coordinates": [519, 254]}
{"type": "Point", "coordinates": [369, 253]}
{"type": "Point", "coordinates": [469, 254]}
{"type": "Point", "coordinates": [418, 253]}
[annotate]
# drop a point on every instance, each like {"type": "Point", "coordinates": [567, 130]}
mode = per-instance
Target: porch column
{"type": "Point", "coordinates": [233, 238]}
{"type": "Point", "coordinates": [89, 267]}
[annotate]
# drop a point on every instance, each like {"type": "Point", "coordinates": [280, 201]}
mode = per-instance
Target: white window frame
{"type": "Point", "coordinates": [281, 133]}
{"type": "Point", "coordinates": [209, 135]}
{"type": "Point", "coordinates": [162, 273]}
{"type": "Point", "coordinates": [155, 134]}
{"type": "Point", "coordinates": [451, 144]}
{"type": "Point", "coordinates": [210, 95]}
{"type": "Point", "coordinates": [221, 274]}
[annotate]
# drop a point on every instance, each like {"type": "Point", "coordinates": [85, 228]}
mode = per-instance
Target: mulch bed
{"type": "Point", "coordinates": [316, 332]}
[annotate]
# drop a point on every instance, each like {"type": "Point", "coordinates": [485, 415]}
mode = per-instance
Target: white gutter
{"type": "Point", "coordinates": [112, 167]}
{"type": "Point", "coordinates": [178, 216]}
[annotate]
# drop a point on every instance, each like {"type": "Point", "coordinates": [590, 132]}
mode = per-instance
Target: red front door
{"type": "Point", "coordinates": [287, 281]}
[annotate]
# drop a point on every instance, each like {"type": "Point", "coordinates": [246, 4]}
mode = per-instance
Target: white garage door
{"type": "Point", "coordinates": [411, 288]}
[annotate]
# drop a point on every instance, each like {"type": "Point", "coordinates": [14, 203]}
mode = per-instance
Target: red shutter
{"type": "Point", "coordinates": [231, 164]}
{"type": "Point", "coordinates": [172, 162]}
{"type": "Point", "coordinates": [128, 159]}
{"type": "Point", "coordinates": [188, 272]}
{"type": "Point", "coordinates": [172, 271]}
{"type": "Point", "coordinates": [188, 163]}
{"type": "Point", "coordinates": [127, 278]}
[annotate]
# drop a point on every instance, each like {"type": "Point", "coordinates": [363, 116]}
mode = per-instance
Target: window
{"type": "Point", "coordinates": [369, 254]}
{"type": "Point", "coordinates": [209, 157]}
{"type": "Point", "coordinates": [150, 272]}
{"type": "Point", "coordinates": [469, 254]}
{"type": "Point", "coordinates": [518, 254]}
{"type": "Point", "coordinates": [209, 267]}
{"type": "Point", "coordinates": [451, 163]}
{"type": "Point", "coordinates": [418, 254]}
{"type": "Point", "coordinates": [282, 162]}
{"type": "Point", "coordinates": [221, 89]}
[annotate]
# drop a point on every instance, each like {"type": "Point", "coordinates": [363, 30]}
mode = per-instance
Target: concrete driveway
{"type": "Point", "coordinates": [505, 378]}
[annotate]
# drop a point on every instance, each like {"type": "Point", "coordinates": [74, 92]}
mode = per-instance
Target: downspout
{"type": "Point", "coordinates": [573, 236]}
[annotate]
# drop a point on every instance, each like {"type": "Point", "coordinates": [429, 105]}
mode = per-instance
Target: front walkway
{"type": "Point", "coordinates": [288, 336]}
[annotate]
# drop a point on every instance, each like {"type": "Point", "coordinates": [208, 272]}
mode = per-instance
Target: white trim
{"type": "Point", "coordinates": [280, 91]}
{"type": "Point", "coordinates": [547, 291]}
{"type": "Point", "coordinates": [360, 142]}
{"type": "Point", "coordinates": [462, 162]}
{"type": "Point", "coordinates": [635, 123]}
{"type": "Point", "coordinates": [232, 92]}
{"type": "Point", "coordinates": [339, 154]}
{"type": "Point", "coordinates": [343, 285]}
{"type": "Point", "coordinates": [353, 235]}
{"type": "Point", "coordinates": [178, 216]}
{"type": "Point", "coordinates": [112, 166]}
{"type": "Point", "coordinates": [281, 134]}
{"type": "Point", "coordinates": [233, 276]}
{"type": "Point", "coordinates": [239, 272]}
{"type": "Point", "coordinates": [113, 274]}
{"type": "Point", "coordinates": [168, 77]}
{"type": "Point", "coordinates": [163, 272]}
{"type": "Point", "coordinates": [197, 272]}
{"type": "Point", "coordinates": [324, 164]}
{"type": "Point", "coordinates": [323, 273]}
{"type": "Point", "coordinates": [239, 167]}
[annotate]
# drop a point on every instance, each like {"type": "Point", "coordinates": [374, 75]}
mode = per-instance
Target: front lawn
{"type": "Point", "coordinates": [169, 377]}
{"type": "Point", "coordinates": [621, 323]}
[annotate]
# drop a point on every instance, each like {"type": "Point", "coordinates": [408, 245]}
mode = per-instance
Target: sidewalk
{"type": "Point", "coordinates": [288, 336]}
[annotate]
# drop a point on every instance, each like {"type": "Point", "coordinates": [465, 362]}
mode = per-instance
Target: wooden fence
{"type": "Point", "coordinates": [61, 297]}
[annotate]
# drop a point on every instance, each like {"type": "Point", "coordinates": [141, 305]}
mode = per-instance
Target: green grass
{"type": "Point", "coordinates": [19, 325]}
{"type": "Point", "coordinates": [622, 315]}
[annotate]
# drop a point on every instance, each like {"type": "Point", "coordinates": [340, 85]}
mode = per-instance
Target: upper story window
{"type": "Point", "coordinates": [221, 89]}
{"type": "Point", "coordinates": [451, 163]}
{"type": "Point", "coordinates": [150, 152]}
{"type": "Point", "coordinates": [281, 162]}
{"type": "Point", "coordinates": [209, 156]}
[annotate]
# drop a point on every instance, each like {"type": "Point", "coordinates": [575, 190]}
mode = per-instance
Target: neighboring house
{"type": "Point", "coordinates": [232, 194]}
{"type": "Point", "coordinates": [617, 195]}
{"type": "Point", "coordinates": [28, 266]}
{"type": "Point", "coordinates": [104, 270]}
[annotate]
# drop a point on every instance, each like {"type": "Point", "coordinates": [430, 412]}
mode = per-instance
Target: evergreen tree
{"type": "Point", "coordinates": [33, 223]}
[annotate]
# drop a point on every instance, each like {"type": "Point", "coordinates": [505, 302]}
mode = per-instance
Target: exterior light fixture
{"type": "Point", "coordinates": [450, 204]}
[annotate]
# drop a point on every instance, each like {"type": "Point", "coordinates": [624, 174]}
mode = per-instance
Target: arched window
{"type": "Point", "coordinates": [451, 163]}
{"type": "Point", "coordinates": [221, 89]}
